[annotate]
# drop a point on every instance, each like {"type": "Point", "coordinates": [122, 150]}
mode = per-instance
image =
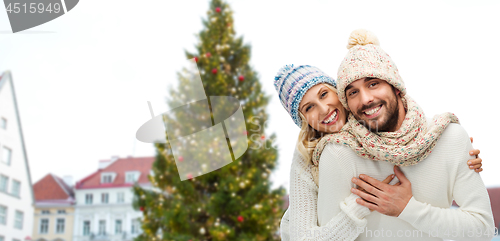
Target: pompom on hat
{"type": "Point", "coordinates": [292, 82]}
{"type": "Point", "coordinates": [366, 59]}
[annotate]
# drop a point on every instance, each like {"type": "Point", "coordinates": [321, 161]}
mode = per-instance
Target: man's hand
{"type": "Point", "coordinates": [386, 181]}
{"type": "Point", "coordinates": [386, 199]}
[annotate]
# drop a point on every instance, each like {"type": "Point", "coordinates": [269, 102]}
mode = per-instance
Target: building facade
{"type": "Point", "coordinates": [494, 193]}
{"type": "Point", "coordinates": [16, 192]}
{"type": "Point", "coordinates": [54, 209]}
{"type": "Point", "coordinates": [103, 209]}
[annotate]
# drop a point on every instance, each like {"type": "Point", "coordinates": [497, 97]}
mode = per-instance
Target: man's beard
{"type": "Point", "coordinates": [391, 116]}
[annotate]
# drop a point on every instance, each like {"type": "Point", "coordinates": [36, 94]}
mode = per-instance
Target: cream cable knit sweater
{"type": "Point", "coordinates": [436, 181]}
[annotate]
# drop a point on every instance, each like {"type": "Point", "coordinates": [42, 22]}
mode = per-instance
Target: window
{"type": "Point", "coordinates": [61, 211]}
{"type": "Point", "coordinates": [107, 177]}
{"type": "Point", "coordinates": [6, 155]}
{"type": "Point", "coordinates": [44, 226]}
{"type": "Point", "coordinates": [120, 197]}
{"type": "Point", "coordinates": [102, 227]}
{"type": "Point", "coordinates": [4, 182]}
{"type": "Point", "coordinates": [88, 198]}
{"type": "Point", "coordinates": [18, 221]}
{"type": "Point", "coordinates": [86, 228]}
{"type": "Point", "coordinates": [3, 123]}
{"type": "Point", "coordinates": [131, 177]}
{"type": "Point", "coordinates": [104, 198]}
{"type": "Point", "coordinates": [16, 186]}
{"type": "Point", "coordinates": [135, 226]}
{"type": "Point", "coordinates": [3, 215]}
{"type": "Point", "coordinates": [45, 212]}
{"type": "Point", "coordinates": [60, 225]}
{"type": "Point", "coordinates": [118, 226]}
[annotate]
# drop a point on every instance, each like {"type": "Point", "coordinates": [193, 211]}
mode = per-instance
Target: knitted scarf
{"type": "Point", "coordinates": [409, 145]}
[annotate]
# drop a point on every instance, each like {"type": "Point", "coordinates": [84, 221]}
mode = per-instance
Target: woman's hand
{"type": "Point", "coordinates": [475, 164]}
{"type": "Point", "coordinates": [386, 199]}
{"type": "Point", "coordinates": [387, 180]}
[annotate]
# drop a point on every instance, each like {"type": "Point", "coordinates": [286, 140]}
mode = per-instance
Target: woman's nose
{"type": "Point", "coordinates": [324, 109]}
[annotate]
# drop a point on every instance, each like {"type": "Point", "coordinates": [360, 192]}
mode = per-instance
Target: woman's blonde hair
{"type": "Point", "coordinates": [309, 137]}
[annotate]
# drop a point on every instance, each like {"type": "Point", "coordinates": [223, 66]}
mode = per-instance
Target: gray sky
{"type": "Point", "coordinates": [83, 79]}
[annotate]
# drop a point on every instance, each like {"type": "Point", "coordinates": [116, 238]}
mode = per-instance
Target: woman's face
{"type": "Point", "coordinates": [322, 109]}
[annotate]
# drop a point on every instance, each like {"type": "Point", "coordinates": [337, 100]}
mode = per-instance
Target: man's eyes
{"type": "Point", "coordinates": [355, 91]}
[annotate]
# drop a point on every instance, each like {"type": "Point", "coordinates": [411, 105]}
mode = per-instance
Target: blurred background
{"type": "Point", "coordinates": [82, 82]}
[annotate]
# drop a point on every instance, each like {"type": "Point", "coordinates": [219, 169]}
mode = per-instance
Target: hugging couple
{"type": "Point", "coordinates": [368, 164]}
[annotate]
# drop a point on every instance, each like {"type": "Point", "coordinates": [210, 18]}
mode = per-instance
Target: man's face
{"type": "Point", "coordinates": [374, 103]}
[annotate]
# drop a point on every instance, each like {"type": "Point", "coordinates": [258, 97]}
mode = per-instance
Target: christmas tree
{"type": "Point", "coordinates": [234, 202]}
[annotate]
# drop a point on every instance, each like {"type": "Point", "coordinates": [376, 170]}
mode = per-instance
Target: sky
{"type": "Point", "coordinates": [83, 80]}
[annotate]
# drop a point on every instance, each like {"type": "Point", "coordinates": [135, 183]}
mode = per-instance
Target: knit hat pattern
{"type": "Point", "coordinates": [292, 82]}
{"type": "Point", "coordinates": [366, 58]}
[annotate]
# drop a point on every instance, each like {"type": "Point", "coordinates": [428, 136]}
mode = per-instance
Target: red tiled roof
{"type": "Point", "coordinates": [51, 187]}
{"type": "Point", "coordinates": [120, 167]}
{"type": "Point", "coordinates": [64, 185]}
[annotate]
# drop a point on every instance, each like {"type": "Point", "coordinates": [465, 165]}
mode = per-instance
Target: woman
{"type": "Point", "coordinates": [303, 91]}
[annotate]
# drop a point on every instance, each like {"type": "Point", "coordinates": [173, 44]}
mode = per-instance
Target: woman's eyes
{"type": "Point", "coordinates": [322, 95]}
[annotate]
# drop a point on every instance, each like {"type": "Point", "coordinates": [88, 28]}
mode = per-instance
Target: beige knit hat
{"type": "Point", "coordinates": [366, 59]}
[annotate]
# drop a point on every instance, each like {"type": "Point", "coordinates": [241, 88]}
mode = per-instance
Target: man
{"type": "Point", "coordinates": [432, 160]}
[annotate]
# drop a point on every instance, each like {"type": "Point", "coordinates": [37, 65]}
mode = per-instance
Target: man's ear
{"type": "Point", "coordinates": [398, 92]}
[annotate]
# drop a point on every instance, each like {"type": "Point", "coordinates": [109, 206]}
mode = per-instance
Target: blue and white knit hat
{"type": "Point", "coordinates": [292, 83]}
